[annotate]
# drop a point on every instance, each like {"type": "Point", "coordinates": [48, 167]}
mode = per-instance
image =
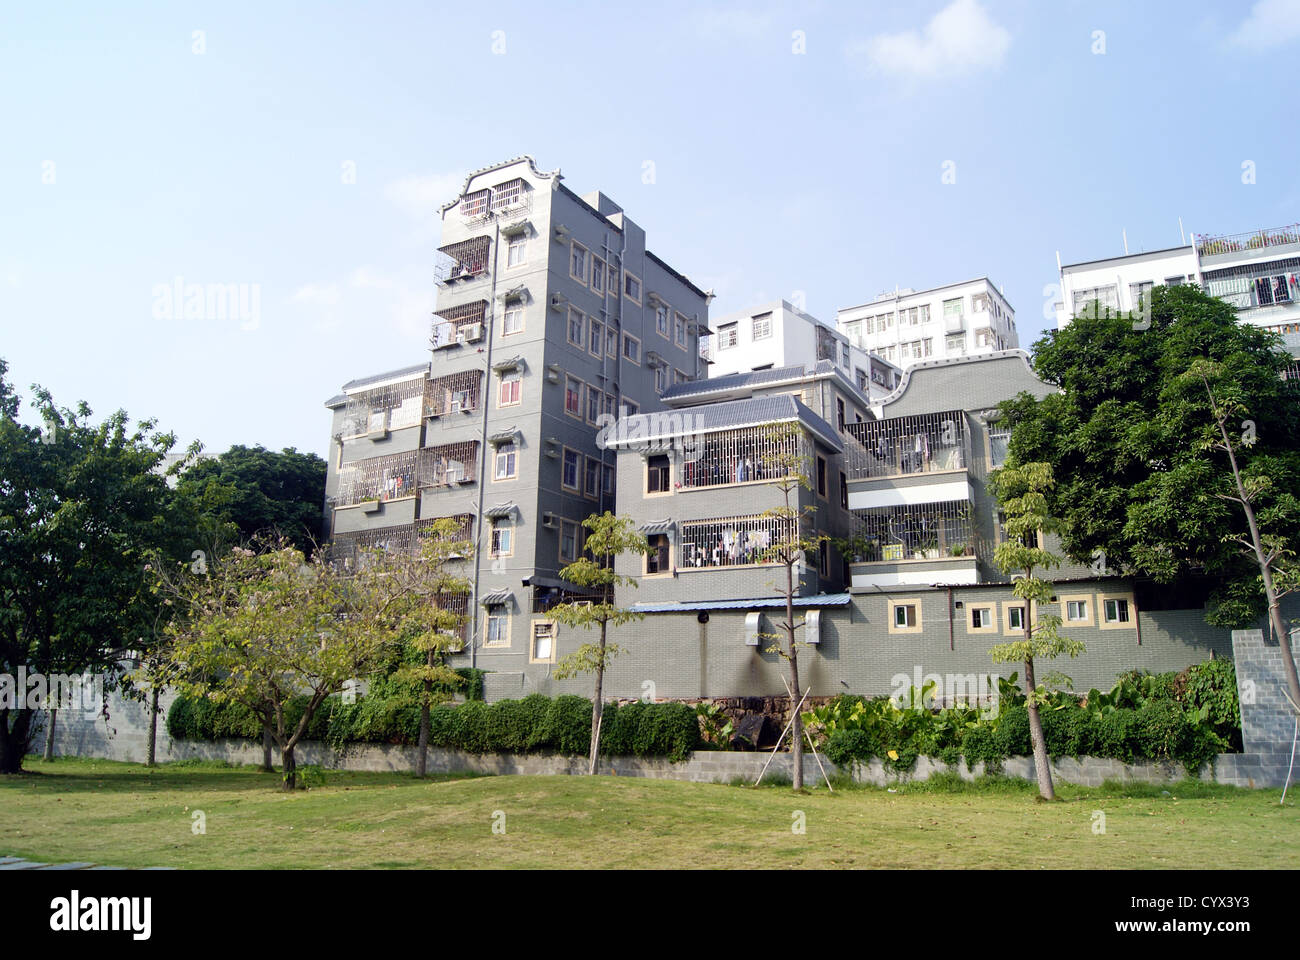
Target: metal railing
{"type": "Point", "coordinates": [735, 541]}
{"type": "Point", "coordinates": [925, 531]}
{"type": "Point", "coordinates": [922, 443]}
{"type": "Point", "coordinates": [1213, 246]}
{"type": "Point", "coordinates": [741, 456]}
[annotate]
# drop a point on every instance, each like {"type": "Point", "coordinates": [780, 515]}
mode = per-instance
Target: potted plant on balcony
{"type": "Point", "coordinates": [930, 549]}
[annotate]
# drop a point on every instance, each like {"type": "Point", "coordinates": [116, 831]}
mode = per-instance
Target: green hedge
{"type": "Point", "coordinates": [534, 724]}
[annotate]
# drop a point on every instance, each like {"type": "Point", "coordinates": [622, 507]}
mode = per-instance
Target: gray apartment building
{"type": "Point", "coordinates": [552, 320]}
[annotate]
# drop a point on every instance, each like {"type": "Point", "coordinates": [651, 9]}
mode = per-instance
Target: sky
{"type": "Point", "coordinates": [818, 152]}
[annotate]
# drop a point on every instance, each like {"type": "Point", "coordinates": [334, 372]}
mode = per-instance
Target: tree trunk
{"type": "Point", "coordinates": [153, 727]}
{"type": "Point", "coordinates": [796, 730]}
{"type": "Point", "coordinates": [1041, 767]}
{"type": "Point", "coordinates": [15, 739]}
{"type": "Point", "coordinates": [597, 706]}
{"type": "Point", "coordinates": [290, 767]}
{"type": "Point", "coordinates": [49, 736]}
{"type": "Point", "coordinates": [421, 759]}
{"type": "Point", "coordinates": [267, 765]}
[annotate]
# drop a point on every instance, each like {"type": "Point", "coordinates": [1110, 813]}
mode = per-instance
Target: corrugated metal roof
{"type": "Point", "coordinates": [499, 511]}
{"type": "Point", "coordinates": [658, 526]}
{"type": "Point", "coordinates": [712, 417]}
{"type": "Point", "coordinates": [495, 597]}
{"type": "Point", "coordinates": [390, 375]}
{"type": "Point", "coordinates": [734, 381]}
{"type": "Point", "coordinates": [746, 603]}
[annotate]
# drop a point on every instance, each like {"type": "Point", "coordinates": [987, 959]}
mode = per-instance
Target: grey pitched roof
{"type": "Point", "coordinates": [712, 417]}
{"type": "Point", "coordinates": [391, 374]}
{"type": "Point", "coordinates": [734, 381]}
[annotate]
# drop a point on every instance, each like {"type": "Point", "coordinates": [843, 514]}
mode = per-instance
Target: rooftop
{"type": "Point", "coordinates": [712, 417]}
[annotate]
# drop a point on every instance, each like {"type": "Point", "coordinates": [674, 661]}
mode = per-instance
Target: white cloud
{"type": "Point", "coordinates": [1271, 23]}
{"type": "Point", "coordinates": [419, 197]}
{"type": "Point", "coordinates": [317, 295]}
{"type": "Point", "coordinates": [960, 38]}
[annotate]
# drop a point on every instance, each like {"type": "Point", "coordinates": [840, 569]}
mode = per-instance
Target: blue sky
{"type": "Point", "coordinates": [211, 142]}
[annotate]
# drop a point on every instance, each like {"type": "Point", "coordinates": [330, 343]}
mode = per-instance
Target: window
{"type": "Point", "coordinates": [515, 248]}
{"type": "Point", "coordinates": [578, 262]}
{"type": "Point", "coordinates": [955, 343]}
{"type": "Point", "coordinates": [629, 408]}
{"type": "Point", "coordinates": [507, 461]}
{"type": "Point", "coordinates": [762, 326]}
{"type": "Point", "coordinates": [999, 443]}
{"type": "Point", "coordinates": [607, 480]}
{"type": "Point", "coordinates": [823, 559]}
{"type": "Point", "coordinates": [844, 491]}
{"type": "Point", "coordinates": [679, 377]}
{"type": "Point", "coordinates": [1140, 292]}
{"type": "Point", "coordinates": [511, 388]}
{"type": "Point", "coordinates": [661, 321]}
{"type": "Point", "coordinates": [542, 642]}
{"type": "Point", "coordinates": [728, 336]}
{"type": "Point", "coordinates": [573, 397]}
{"type": "Point", "coordinates": [1116, 612]}
{"type": "Point", "coordinates": [680, 330]}
{"type": "Point", "coordinates": [1015, 619]}
{"type": "Point", "coordinates": [658, 474]}
{"type": "Point", "coordinates": [569, 473]}
{"type": "Point", "coordinates": [497, 633]}
{"type": "Point", "coordinates": [821, 477]}
{"type": "Point", "coordinates": [839, 412]}
{"type": "Point", "coordinates": [613, 280]}
{"type": "Point", "coordinates": [1107, 296]}
{"type": "Point", "coordinates": [979, 303]}
{"type": "Point", "coordinates": [598, 275]}
{"type": "Point", "coordinates": [737, 541]}
{"type": "Point", "coordinates": [1076, 610]}
{"type": "Point", "coordinates": [595, 404]}
{"type": "Point", "coordinates": [611, 407]}
{"type": "Point", "coordinates": [502, 538]}
{"type": "Point", "coordinates": [577, 326]}
{"type": "Point", "coordinates": [513, 321]}
{"type": "Point", "coordinates": [591, 478]}
{"type": "Point", "coordinates": [981, 618]}
{"type": "Point", "coordinates": [661, 378]}
{"type": "Point", "coordinates": [611, 342]}
{"type": "Point", "coordinates": [568, 541]}
{"type": "Point", "coordinates": [659, 558]}
{"type": "Point", "coordinates": [632, 348]}
{"type": "Point", "coordinates": [596, 339]}
{"type": "Point", "coordinates": [905, 616]}
{"type": "Point", "coordinates": [632, 287]}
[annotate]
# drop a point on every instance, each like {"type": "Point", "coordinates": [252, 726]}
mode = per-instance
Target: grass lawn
{"type": "Point", "coordinates": [126, 815]}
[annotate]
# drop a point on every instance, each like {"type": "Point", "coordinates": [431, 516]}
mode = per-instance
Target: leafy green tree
{"type": "Point", "coordinates": [263, 492]}
{"type": "Point", "coordinates": [82, 506]}
{"type": "Point", "coordinates": [264, 628]}
{"type": "Point", "coordinates": [433, 591]}
{"type": "Point", "coordinates": [1271, 552]}
{"type": "Point", "coordinates": [1021, 493]}
{"type": "Point", "coordinates": [788, 461]}
{"type": "Point", "coordinates": [608, 538]}
{"type": "Point", "coordinates": [1134, 482]}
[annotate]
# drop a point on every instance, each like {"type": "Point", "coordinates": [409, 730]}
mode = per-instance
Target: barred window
{"type": "Point", "coordinates": [739, 456]}
{"type": "Point", "coordinates": [448, 464]}
{"type": "Point", "coordinates": [453, 393]}
{"type": "Point", "coordinates": [389, 407]}
{"type": "Point", "coordinates": [377, 478]}
{"type": "Point", "coordinates": [734, 542]}
{"type": "Point", "coordinates": [916, 532]}
{"type": "Point", "coordinates": [902, 445]}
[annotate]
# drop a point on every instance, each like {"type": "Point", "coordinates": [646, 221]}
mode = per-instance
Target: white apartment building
{"type": "Point", "coordinates": [778, 334]}
{"type": "Point", "coordinates": [1257, 272]}
{"type": "Point", "coordinates": [908, 326]}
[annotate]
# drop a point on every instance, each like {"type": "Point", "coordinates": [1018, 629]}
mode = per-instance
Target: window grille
{"type": "Point", "coordinates": [452, 393]}
{"type": "Point", "coordinates": [377, 478]}
{"type": "Point", "coordinates": [903, 445]}
{"type": "Point", "coordinates": [736, 541]}
{"type": "Point", "coordinates": [739, 456]}
{"type": "Point", "coordinates": [916, 532]}
{"type": "Point", "coordinates": [449, 464]}
{"type": "Point", "coordinates": [384, 408]}
{"type": "Point", "coordinates": [467, 258]}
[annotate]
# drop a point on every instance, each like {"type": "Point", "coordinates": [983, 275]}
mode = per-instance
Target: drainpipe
{"type": "Point", "coordinates": [950, 638]}
{"type": "Point", "coordinates": [482, 447]}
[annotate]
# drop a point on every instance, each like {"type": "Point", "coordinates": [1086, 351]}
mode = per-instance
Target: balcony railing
{"type": "Point", "coordinates": [737, 541]}
{"type": "Point", "coordinates": [925, 531]}
{"type": "Point", "coordinates": [905, 445]}
{"type": "Point", "coordinates": [1210, 246]}
{"type": "Point", "coordinates": [462, 261]}
{"type": "Point", "coordinates": [505, 199]}
{"type": "Point", "coordinates": [740, 456]}
{"type": "Point", "coordinates": [449, 464]}
{"type": "Point", "coordinates": [384, 408]}
{"type": "Point", "coordinates": [706, 348]}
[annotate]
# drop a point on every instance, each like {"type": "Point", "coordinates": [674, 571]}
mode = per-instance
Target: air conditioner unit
{"type": "Point", "coordinates": [470, 333]}
{"type": "Point", "coordinates": [752, 629]}
{"type": "Point", "coordinates": [549, 521]}
{"type": "Point", "coordinates": [557, 301]}
{"type": "Point", "coordinates": [812, 626]}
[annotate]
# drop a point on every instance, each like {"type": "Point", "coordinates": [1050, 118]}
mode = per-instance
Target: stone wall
{"type": "Point", "coordinates": [1268, 725]}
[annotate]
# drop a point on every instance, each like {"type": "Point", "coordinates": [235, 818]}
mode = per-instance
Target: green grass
{"type": "Point", "coordinates": [126, 815]}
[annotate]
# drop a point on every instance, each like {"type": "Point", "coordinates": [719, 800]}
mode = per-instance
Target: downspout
{"type": "Point", "coordinates": [950, 637]}
{"type": "Point", "coordinates": [483, 430]}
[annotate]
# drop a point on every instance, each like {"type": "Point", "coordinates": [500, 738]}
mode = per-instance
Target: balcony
{"type": "Point", "coordinates": [706, 348]}
{"type": "Point", "coordinates": [1236, 243]}
{"type": "Point", "coordinates": [901, 446]}
{"type": "Point", "coordinates": [375, 412]}
{"type": "Point", "coordinates": [460, 323]}
{"type": "Point", "coordinates": [465, 260]}
{"type": "Point", "coordinates": [920, 543]}
{"type": "Point", "coordinates": [504, 200]}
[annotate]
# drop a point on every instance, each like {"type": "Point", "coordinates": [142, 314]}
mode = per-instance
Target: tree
{"type": "Point", "coordinates": [1271, 552]}
{"type": "Point", "coordinates": [1021, 493]}
{"type": "Point", "coordinates": [82, 505]}
{"type": "Point", "coordinates": [264, 628]}
{"type": "Point", "coordinates": [787, 461]}
{"type": "Point", "coordinates": [433, 593]}
{"type": "Point", "coordinates": [608, 538]}
{"type": "Point", "coordinates": [264, 492]}
{"type": "Point", "coordinates": [1123, 436]}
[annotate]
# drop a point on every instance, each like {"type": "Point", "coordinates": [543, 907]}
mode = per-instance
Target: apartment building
{"type": "Point", "coordinates": [777, 334]}
{"type": "Point", "coordinates": [909, 326]}
{"type": "Point", "coordinates": [552, 319]}
{"type": "Point", "coordinates": [1257, 272]}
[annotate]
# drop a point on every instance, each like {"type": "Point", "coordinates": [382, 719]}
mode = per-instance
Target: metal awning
{"type": "Point", "coordinates": [511, 363]}
{"type": "Point", "coordinates": [505, 436]}
{"type": "Point", "coordinates": [750, 603]}
{"type": "Point", "coordinates": [658, 526]}
{"type": "Point", "coordinates": [495, 597]}
{"type": "Point", "coordinates": [499, 511]}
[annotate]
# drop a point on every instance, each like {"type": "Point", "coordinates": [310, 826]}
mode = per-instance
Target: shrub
{"type": "Point", "coordinates": [566, 726]}
{"type": "Point", "coordinates": [1069, 732]}
{"type": "Point", "coordinates": [1012, 737]}
{"type": "Point", "coordinates": [844, 747]}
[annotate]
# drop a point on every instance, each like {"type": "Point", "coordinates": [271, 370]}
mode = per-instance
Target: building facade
{"type": "Point", "coordinates": [552, 319]}
{"type": "Point", "coordinates": [911, 326]}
